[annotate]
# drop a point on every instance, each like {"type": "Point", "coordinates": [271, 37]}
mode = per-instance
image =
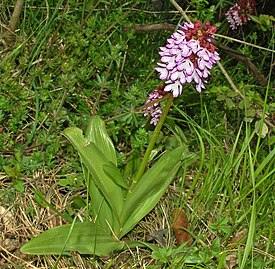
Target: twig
{"type": "Point", "coordinates": [245, 43]}
{"type": "Point", "coordinates": [177, 6]}
{"type": "Point", "coordinates": [14, 256]}
{"type": "Point", "coordinates": [262, 80]}
{"type": "Point", "coordinates": [153, 27]}
{"type": "Point", "coordinates": [230, 81]}
{"type": "Point", "coordinates": [14, 20]}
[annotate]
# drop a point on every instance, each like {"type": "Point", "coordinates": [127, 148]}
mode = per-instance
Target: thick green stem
{"type": "Point", "coordinates": [152, 142]}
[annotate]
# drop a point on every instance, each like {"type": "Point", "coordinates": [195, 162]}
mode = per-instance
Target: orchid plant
{"type": "Point", "coordinates": [117, 203]}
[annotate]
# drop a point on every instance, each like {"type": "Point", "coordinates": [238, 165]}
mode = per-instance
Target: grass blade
{"type": "Point", "coordinates": [252, 224]}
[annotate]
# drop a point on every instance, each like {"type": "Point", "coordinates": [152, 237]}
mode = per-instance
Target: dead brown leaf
{"type": "Point", "coordinates": [238, 236]}
{"type": "Point", "coordinates": [180, 227]}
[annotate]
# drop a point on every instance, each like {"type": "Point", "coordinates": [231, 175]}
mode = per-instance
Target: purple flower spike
{"type": "Point", "coordinates": [188, 56]}
{"type": "Point", "coordinates": [240, 13]}
{"type": "Point", "coordinates": [154, 108]}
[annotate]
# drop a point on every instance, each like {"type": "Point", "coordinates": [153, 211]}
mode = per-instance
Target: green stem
{"type": "Point", "coordinates": [152, 142]}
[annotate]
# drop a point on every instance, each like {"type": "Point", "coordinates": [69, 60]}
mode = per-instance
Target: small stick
{"type": "Point", "coordinates": [178, 7]}
{"type": "Point", "coordinates": [13, 23]}
{"type": "Point", "coordinates": [230, 81]}
{"type": "Point", "coordinates": [262, 80]}
{"type": "Point", "coordinates": [153, 27]}
{"type": "Point", "coordinates": [14, 20]}
{"type": "Point", "coordinates": [245, 43]}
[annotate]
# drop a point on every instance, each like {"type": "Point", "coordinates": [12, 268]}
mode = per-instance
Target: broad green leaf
{"type": "Point", "coordinates": [149, 202]}
{"type": "Point", "coordinates": [101, 210]}
{"type": "Point", "coordinates": [19, 185]}
{"type": "Point", "coordinates": [96, 132]}
{"type": "Point", "coordinates": [113, 172]}
{"type": "Point", "coordinates": [132, 164]}
{"type": "Point", "coordinates": [83, 237]}
{"type": "Point", "coordinates": [94, 159]}
{"type": "Point", "coordinates": [150, 188]}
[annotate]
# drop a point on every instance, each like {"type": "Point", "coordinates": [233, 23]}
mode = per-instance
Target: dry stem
{"type": "Point", "coordinates": [14, 21]}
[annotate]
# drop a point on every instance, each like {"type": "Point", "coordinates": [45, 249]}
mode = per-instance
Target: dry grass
{"type": "Point", "coordinates": [23, 218]}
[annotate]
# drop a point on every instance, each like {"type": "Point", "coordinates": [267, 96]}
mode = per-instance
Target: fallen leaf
{"type": "Point", "coordinates": [180, 227]}
{"type": "Point", "coordinates": [232, 260]}
{"type": "Point", "coordinates": [238, 236]}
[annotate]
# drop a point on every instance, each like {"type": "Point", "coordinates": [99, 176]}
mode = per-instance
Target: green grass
{"type": "Point", "coordinates": [73, 59]}
{"type": "Point", "coordinates": [224, 192]}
